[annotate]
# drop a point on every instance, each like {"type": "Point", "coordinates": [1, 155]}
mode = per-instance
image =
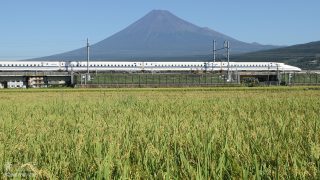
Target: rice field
{"type": "Point", "coordinates": [186, 133]}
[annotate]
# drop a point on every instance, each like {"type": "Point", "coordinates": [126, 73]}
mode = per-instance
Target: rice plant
{"type": "Point", "coordinates": [194, 133]}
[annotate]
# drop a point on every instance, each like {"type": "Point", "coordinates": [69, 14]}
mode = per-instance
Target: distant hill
{"type": "Point", "coordinates": [158, 35]}
{"type": "Point", "coordinates": [305, 56]}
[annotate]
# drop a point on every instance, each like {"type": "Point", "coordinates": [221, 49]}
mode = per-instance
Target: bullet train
{"type": "Point", "coordinates": [78, 66]}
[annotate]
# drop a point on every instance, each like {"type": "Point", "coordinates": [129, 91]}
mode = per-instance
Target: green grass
{"type": "Point", "coordinates": [198, 133]}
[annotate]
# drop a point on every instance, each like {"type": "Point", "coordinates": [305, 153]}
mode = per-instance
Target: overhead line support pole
{"type": "Point", "coordinates": [88, 56]}
{"type": "Point", "coordinates": [88, 46]}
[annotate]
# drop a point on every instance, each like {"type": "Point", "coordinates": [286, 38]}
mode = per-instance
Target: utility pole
{"type": "Point", "coordinates": [214, 54]}
{"type": "Point", "coordinates": [214, 50]}
{"type": "Point", "coordinates": [227, 46]}
{"type": "Point", "coordinates": [278, 75]}
{"type": "Point", "coordinates": [268, 74]}
{"type": "Point", "coordinates": [88, 56]}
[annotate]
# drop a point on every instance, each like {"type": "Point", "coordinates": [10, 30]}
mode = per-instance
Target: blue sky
{"type": "Point", "coordinates": [34, 28]}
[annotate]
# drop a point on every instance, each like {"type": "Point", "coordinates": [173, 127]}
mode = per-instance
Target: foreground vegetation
{"type": "Point", "coordinates": [195, 78]}
{"type": "Point", "coordinates": [197, 133]}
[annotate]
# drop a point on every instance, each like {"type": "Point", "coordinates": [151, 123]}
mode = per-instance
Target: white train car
{"type": "Point", "coordinates": [78, 66]}
{"type": "Point", "coordinates": [33, 65]}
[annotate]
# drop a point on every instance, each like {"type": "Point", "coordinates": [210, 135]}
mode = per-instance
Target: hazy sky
{"type": "Point", "coordinates": [34, 28]}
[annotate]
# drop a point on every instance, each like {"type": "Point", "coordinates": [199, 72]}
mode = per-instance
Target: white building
{"type": "Point", "coordinates": [16, 84]}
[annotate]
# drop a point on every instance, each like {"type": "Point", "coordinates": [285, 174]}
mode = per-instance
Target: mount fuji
{"type": "Point", "coordinates": [159, 35]}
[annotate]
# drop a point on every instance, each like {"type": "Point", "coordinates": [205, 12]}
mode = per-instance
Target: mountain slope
{"type": "Point", "coordinates": [306, 56]}
{"type": "Point", "coordinates": [159, 34]}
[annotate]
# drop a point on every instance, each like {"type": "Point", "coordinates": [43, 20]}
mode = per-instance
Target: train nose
{"type": "Point", "coordinates": [295, 69]}
{"type": "Point", "coordinates": [292, 68]}
{"type": "Point", "coordinates": [298, 69]}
